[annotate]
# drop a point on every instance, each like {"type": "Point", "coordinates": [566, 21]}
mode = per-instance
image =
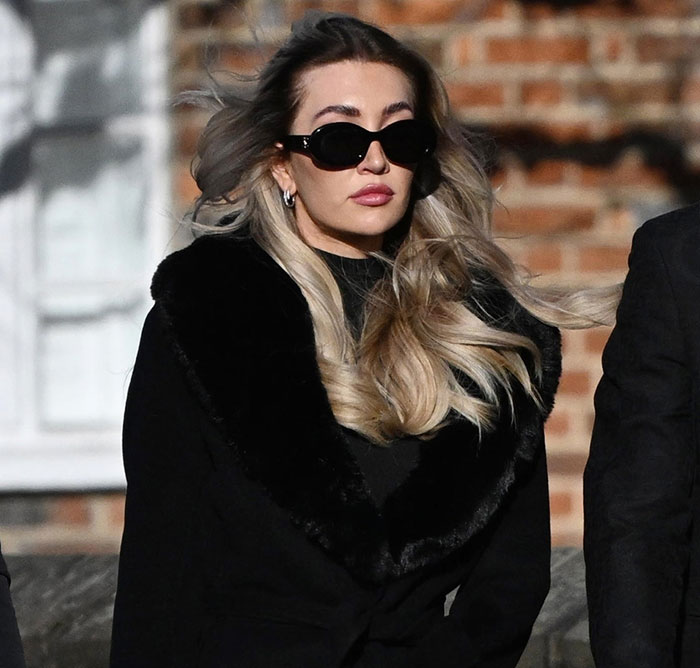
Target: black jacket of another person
{"type": "Point", "coordinates": [251, 537]}
{"type": "Point", "coordinates": [11, 655]}
{"type": "Point", "coordinates": [642, 503]}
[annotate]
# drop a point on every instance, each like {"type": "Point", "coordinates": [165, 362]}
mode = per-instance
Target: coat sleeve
{"type": "Point", "coordinates": [11, 655]}
{"type": "Point", "coordinates": [638, 480]}
{"type": "Point", "coordinates": [166, 464]}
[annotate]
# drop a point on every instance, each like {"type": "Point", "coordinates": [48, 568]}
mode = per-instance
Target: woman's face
{"type": "Point", "coordinates": [347, 211]}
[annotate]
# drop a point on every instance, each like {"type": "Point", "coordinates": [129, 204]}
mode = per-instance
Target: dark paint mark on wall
{"type": "Point", "coordinates": [659, 151]}
{"type": "Point", "coordinates": [573, 4]}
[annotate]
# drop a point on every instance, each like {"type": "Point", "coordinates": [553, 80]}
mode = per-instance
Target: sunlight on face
{"type": "Point", "coordinates": [347, 211]}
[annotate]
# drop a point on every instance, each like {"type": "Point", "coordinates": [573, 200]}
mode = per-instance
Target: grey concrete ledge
{"type": "Point", "coordinates": [64, 608]}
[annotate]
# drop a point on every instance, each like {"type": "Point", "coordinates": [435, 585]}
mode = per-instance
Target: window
{"type": "Point", "coordinates": [84, 199]}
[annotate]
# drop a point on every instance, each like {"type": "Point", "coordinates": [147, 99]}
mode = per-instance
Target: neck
{"type": "Point", "coordinates": [337, 242]}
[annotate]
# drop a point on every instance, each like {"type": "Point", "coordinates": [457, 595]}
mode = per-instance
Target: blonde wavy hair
{"type": "Point", "coordinates": [405, 373]}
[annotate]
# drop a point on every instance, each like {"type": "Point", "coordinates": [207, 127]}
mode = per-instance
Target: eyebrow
{"type": "Point", "coordinates": [354, 112]}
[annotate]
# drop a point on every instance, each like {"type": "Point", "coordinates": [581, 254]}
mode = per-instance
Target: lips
{"type": "Point", "coordinates": [374, 194]}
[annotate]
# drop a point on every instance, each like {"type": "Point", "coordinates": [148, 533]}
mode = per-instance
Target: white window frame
{"type": "Point", "coordinates": [32, 456]}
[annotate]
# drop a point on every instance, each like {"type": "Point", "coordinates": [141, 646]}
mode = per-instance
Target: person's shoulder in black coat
{"type": "Point", "coordinates": [641, 540]}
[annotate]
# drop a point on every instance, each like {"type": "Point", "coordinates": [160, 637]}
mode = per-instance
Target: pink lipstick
{"type": "Point", "coordinates": [374, 194]}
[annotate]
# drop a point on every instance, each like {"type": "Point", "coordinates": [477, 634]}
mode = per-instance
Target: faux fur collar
{"type": "Point", "coordinates": [242, 330]}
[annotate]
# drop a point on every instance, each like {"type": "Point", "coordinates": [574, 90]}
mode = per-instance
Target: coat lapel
{"type": "Point", "coordinates": [243, 333]}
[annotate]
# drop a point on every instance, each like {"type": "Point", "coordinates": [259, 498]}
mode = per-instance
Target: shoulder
{"type": "Point", "coordinates": [223, 274]}
{"type": "Point", "coordinates": [224, 297]}
{"type": "Point", "coordinates": [672, 234]}
{"type": "Point", "coordinates": [217, 261]}
{"type": "Point", "coordinates": [665, 255]}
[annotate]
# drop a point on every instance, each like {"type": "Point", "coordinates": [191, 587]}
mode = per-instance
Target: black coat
{"type": "Point", "coordinates": [642, 503]}
{"type": "Point", "coordinates": [11, 655]}
{"type": "Point", "coordinates": [251, 539]}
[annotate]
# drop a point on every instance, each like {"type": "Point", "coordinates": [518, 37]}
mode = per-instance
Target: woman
{"type": "Point", "coordinates": [335, 417]}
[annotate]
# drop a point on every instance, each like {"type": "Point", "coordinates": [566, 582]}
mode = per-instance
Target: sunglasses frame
{"type": "Point", "coordinates": [305, 143]}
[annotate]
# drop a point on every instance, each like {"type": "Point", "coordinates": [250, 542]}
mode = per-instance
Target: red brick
{"type": "Point", "coordinates": [595, 339]}
{"type": "Point", "coordinates": [562, 131]}
{"type": "Point", "coordinates": [567, 538]}
{"type": "Point", "coordinates": [628, 92]}
{"type": "Point", "coordinates": [628, 171]}
{"type": "Point", "coordinates": [544, 258]}
{"type": "Point", "coordinates": [539, 10]}
{"type": "Point", "coordinates": [666, 48]}
{"type": "Point", "coordinates": [194, 16]}
{"type": "Point", "coordinates": [392, 12]}
{"type": "Point", "coordinates": [541, 93]}
{"type": "Point", "coordinates": [614, 45]}
{"type": "Point", "coordinates": [690, 93]}
{"type": "Point", "coordinates": [475, 94]}
{"type": "Point", "coordinates": [185, 187]}
{"type": "Point", "coordinates": [567, 132]}
{"type": "Point", "coordinates": [464, 49]}
{"type": "Point", "coordinates": [538, 49]}
{"type": "Point", "coordinates": [115, 506]}
{"type": "Point", "coordinates": [557, 424]}
{"type": "Point", "coordinates": [70, 509]}
{"type": "Point", "coordinates": [186, 138]}
{"type": "Point", "coordinates": [497, 9]}
{"type": "Point", "coordinates": [241, 59]}
{"type": "Point", "coordinates": [620, 220]}
{"type": "Point", "coordinates": [666, 8]}
{"type": "Point", "coordinates": [593, 175]}
{"type": "Point", "coordinates": [207, 14]}
{"type": "Point", "coordinates": [187, 56]}
{"type": "Point", "coordinates": [499, 178]}
{"type": "Point", "coordinates": [547, 172]}
{"type": "Point", "coordinates": [560, 503]}
{"type": "Point", "coordinates": [296, 8]}
{"type": "Point", "coordinates": [543, 219]}
{"type": "Point", "coordinates": [575, 382]}
{"type": "Point", "coordinates": [634, 172]}
{"type": "Point", "coordinates": [569, 463]}
{"type": "Point", "coordinates": [431, 49]}
{"type": "Point", "coordinates": [602, 258]}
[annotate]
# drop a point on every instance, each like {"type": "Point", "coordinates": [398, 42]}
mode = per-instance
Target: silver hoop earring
{"type": "Point", "coordinates": [288, 199]}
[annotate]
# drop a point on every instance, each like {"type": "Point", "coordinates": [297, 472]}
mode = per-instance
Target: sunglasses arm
{"type": "Point", "coordinates": [296, 142]}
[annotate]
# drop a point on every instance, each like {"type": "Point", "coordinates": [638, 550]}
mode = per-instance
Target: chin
{"type": "Point", "coordinates": [373, 226]}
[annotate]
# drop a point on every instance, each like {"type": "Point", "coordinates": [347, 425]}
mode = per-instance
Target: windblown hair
{"type": "Point", "coordinates": [420, 339]}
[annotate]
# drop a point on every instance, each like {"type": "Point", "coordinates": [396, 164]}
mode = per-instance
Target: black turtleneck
{"type": "Point", "coordinates": [384, 467]}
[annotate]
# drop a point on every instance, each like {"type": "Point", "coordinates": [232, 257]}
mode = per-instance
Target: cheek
{"type": "Point", "coordinates": [320, 186]}
{"type": "Point", "coordinates": [404, 182]}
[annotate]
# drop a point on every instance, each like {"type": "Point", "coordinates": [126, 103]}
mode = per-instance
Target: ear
{"type": "Point", "coordinates": [282, 172]}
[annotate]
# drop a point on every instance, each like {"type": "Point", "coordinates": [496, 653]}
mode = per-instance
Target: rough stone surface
{"type": "Point", "coordinates": [560, 635]}
{"type": "Point", "coordinates": [64, 610]}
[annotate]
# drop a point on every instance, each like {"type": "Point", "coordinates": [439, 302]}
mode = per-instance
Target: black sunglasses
{"type": "Point", "coordinates": [346, 144]}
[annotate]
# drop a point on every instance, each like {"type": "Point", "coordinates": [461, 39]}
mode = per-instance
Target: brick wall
{"type": "Point", "coordinates": [61, 523]}
{"type": "Point", "coordinates": [594, 109]}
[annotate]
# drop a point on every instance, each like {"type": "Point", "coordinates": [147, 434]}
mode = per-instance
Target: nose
{"type": "Point", "coordinates": [375, 160]}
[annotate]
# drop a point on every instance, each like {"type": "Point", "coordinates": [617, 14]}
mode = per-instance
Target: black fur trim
{"type": "Point", "coordinates": [242, 330]}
